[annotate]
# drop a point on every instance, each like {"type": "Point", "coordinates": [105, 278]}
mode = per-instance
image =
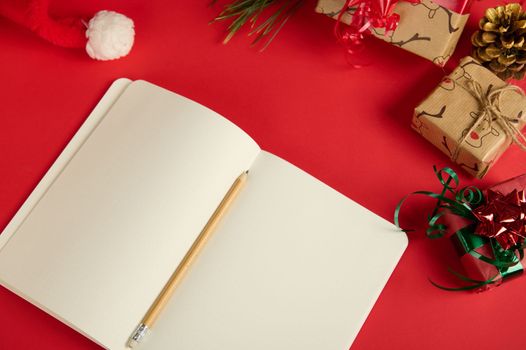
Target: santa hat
{"type": "Point", "coordinates": [106, 36]}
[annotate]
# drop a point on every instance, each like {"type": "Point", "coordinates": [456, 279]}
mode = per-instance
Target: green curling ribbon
{"type": "Point", "coordinates": [460, 202]}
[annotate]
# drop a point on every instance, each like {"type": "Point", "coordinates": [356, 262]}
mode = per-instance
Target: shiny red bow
{"type": "Point", "coordinates": [503, 217]}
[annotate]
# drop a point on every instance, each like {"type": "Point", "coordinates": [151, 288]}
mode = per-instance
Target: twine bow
{"type": "Point", "coordinates": [490, 110]}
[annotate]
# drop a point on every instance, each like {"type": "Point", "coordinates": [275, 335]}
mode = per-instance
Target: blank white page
{"type": "Point", "coordinates": [104, 238]}
{"type": "Point", "coordinates": [294, 265]}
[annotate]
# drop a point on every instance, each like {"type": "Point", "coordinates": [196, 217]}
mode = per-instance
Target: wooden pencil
{"type": "Point", "coordinates": [165, 295]}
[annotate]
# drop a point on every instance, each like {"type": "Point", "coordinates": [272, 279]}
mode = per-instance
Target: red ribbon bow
{"type": "Point", "coordinates": [503, 217]}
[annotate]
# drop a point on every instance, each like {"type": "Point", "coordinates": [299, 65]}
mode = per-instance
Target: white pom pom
{"type": "Point", "coordinates": [110, 36]}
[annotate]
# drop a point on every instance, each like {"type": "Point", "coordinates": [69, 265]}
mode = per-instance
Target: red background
{"type": "Point", "coordinates": [299, 100]}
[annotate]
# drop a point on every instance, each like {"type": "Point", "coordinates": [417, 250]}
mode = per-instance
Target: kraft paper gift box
{"type": "Point", "coordinates": [458, 123]}
{"type": "Point", "coordinates": [428, 29]}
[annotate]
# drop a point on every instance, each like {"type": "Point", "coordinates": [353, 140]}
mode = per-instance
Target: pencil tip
{"type": "Point", "coordinates": [246, 172]}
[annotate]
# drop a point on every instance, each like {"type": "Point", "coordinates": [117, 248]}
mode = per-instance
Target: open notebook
{"type": "Point", "coordinates": [288, 268]}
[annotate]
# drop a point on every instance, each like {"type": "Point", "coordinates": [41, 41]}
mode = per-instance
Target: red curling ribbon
{"type": "Point", "coordinates": [503, 217]}
{"type": "Point", "coordinates": [367, 15]}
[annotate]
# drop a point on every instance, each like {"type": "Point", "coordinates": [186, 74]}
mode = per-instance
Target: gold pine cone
{"type": "Point", "coordinates": [500, 43]}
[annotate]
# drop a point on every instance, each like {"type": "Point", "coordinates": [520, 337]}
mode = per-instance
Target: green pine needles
{"type": "Point", "coordinates": [265, 17]}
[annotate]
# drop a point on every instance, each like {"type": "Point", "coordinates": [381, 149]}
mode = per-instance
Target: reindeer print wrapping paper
{"type": "Point", "coordinates": [425, 28]}
{"type": "Point", "coordinates": [448, 118]}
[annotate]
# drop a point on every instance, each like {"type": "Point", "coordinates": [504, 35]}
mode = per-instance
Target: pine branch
{"type": "Point", "coordinates": [249, 12]}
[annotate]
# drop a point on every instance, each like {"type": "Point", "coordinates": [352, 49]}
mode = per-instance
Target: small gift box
{"type": "Point", "coordinates": [491, 249]}
{"type": "Point", "coordinates": [487, 228]}
{"type": "Point", "coordinates": [472, 116]}
{"type": "Point", "coordinates": [428, 29]}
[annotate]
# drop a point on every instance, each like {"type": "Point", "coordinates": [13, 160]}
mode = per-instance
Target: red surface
{"type": "Point", "coordinates": [350, 128]}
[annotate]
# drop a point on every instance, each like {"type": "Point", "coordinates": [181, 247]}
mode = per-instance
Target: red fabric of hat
{"type": "Point", "coordinates": [107, 36]}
